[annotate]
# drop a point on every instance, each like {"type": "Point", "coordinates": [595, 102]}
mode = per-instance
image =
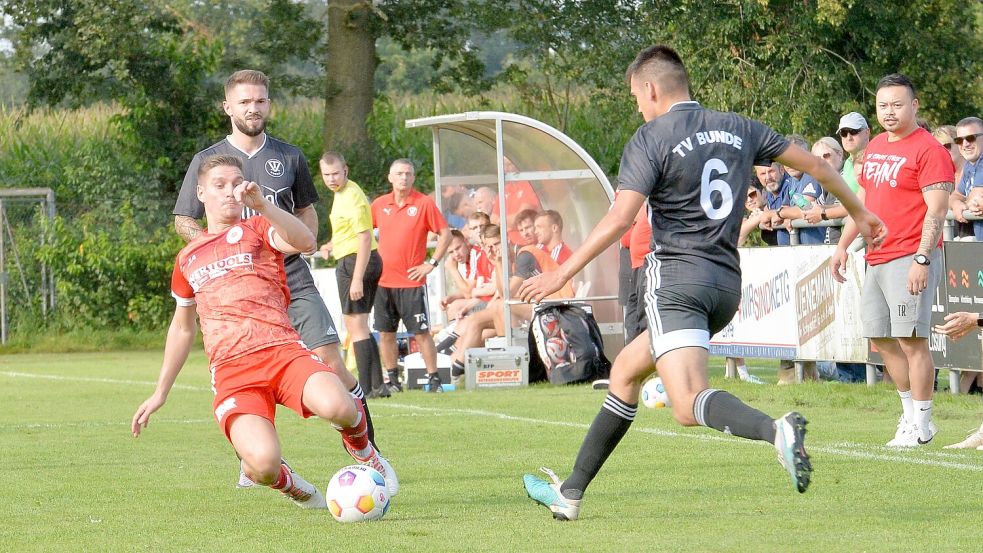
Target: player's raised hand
{"type": "Point", "coordinates": [534, 289]}
{"type": "Point", "coordinates": [141, 418]}
{"type": "Point", "coordinates": [249, 194]}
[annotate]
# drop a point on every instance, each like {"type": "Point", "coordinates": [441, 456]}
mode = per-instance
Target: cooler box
{"type": "Point", "coordinates": [504, 367]}
{"type": "Point", "coordinates": [415, 371]}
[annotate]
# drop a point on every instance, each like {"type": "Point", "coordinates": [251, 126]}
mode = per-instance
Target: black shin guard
{"type": "Point", "coordinates": [722, 411]}
{"type": "Point", "coordinates": [609, 426]}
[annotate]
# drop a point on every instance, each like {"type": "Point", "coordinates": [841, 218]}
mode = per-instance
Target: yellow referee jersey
{"type": "Point", "coordinates": [350, 215]}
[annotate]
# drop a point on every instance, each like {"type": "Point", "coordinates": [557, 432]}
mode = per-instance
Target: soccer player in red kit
{"type": "Point", "coordinates": [232, 277]}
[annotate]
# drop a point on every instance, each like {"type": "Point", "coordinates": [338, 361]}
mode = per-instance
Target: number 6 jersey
{"type": "Point", "coordinates": [694, 164]}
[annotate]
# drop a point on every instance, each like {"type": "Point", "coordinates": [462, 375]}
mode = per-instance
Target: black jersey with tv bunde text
{"type": "Point", "coordinates": [694, 164]}
{"type": "Point", "coordinates": [284, 178]}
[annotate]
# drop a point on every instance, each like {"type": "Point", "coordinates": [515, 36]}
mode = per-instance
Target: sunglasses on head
{"type": "Point", "coordinates": [851, 132]}
{"type": "Point", "coordinates": [968, 138]}
{"type": "Point", "coordinates": [947, 145]}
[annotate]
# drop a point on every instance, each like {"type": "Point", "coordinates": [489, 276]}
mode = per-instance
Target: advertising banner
{"type": "Point", "coordinates": [791, 308]}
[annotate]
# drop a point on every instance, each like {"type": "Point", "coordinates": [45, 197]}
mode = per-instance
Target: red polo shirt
{"type": "Point", "coordinates": [403, 235]}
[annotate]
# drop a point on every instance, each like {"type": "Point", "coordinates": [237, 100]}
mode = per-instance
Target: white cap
{"type": "Point", "coordinates": [852, 120]}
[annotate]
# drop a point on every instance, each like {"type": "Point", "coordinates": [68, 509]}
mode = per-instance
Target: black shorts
{"type": "Point", "coordinates": [370, 283]}
{"type": "Point", "coordinates": [635, 321]}
{"type": "Point", "coordinates": [686, 315]}
{"type": "Point", "coordinates": [624, 276]}
{"type": "Point", "coordinates": [311, 319]}
{"type": "Point", "coordinates": [406, 304]}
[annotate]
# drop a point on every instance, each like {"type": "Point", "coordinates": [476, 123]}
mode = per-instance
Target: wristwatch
{"type": "Point", "coordinates": [979, 321]}
{"type": "Point", "coordinates": [922, 259]}
{"type": "Point", "coordinates": [823, 214]}
{"type": "Point", "coordinates": [433, 261]}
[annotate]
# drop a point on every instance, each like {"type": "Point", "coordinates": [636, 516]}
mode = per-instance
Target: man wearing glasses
{"type": "Point", "coordinates": [968, 133]}
{"type": "Point", "coordinates": [854, 135]}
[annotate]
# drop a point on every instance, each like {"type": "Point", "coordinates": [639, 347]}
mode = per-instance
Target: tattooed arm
{"type": "Point", "coordinates": [937, 199]}
{"type": "Point", "coordinates": [186, 227]}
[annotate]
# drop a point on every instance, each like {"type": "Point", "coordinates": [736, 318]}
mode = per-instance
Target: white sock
{"type": "Point", "coordinates": [923, 414]}
{"type": "Point", "coordinates": [907, 406]}
{"type": "Point", "coordinates": [742, 372]}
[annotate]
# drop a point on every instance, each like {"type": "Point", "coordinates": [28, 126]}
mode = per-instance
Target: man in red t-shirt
{"type": "Point", "coordinates": [905, 178]}
{"type": "Point", "coordinates": [404, 218]}
{"type": "Point", "coordinates": [232, 277]}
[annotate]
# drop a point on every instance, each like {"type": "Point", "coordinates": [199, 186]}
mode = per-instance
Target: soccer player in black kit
{"type": "Point", "coordinates": [691, 165]}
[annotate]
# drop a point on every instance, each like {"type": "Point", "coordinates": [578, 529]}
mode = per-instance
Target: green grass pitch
{"type": "Point", "coordinates": [75, 480]}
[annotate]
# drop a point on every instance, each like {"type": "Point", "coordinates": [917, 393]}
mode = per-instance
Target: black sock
{"type": "Point", "coordinates": [446, 346]}
{"type": "Point", "coordinates": [393, 376]}
{"type": "Point", "coordinates": [363, 360]}
{"type": "Point", "coordinates": [609, 426]}
{"type": "Point", "coordinates": [359, 396]}
{"type": "Point", "coordinates": [722, 411]}
{"type": "Point", "coordinates": [457, 368]}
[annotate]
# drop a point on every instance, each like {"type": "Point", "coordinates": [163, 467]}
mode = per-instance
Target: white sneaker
{"type": "Point", "coordinates": [752, 379]}
{"type": "Point", "coordinates": [901, 434]}
{"type": "Point", "coordinates": [974, 440]}
{"type": "Point", "coordinates": [304, 494]}
{"type": "Point", "coordinates": [915, 437]}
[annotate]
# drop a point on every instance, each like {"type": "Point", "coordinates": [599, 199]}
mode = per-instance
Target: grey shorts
{"type": "Point", "coordinates": [888, 310]}
{"type": "Point", "coordinates": [312, 321]}
{"type": "Point", "coordinates": [686, 315]}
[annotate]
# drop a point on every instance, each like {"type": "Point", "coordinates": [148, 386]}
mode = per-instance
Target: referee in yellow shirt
{"type": "Point", "coordinates": [359, 268]}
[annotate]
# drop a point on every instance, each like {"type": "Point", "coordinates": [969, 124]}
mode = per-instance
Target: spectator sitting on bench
{"type": "Point", "coordinates": [529, 262]}
{"type": "Point", "coordinates": [549, 235]}
{"type": "Point", "coordinates": [458, 268]}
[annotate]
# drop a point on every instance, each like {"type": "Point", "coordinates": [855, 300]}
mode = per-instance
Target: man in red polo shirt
{"type": "Point", "coordinates": [906, 177]}
{"type": "Point", "coordinates": [404, 217]}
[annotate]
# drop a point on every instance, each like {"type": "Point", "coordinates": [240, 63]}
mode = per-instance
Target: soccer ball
{"type": "Point", "coordinates": [556, 349]}
{"type": "Point", "coordinates": [654, 394]}
{"type": "Point", "coordinates": [357, 493]}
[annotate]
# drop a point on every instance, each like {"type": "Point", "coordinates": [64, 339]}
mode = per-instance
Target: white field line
{"type": "Point", "coordinates": [843, 449]}
{"type": "Point", "coordinates": [14, 374]}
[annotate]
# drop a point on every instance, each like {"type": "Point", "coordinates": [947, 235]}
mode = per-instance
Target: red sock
{"type": "Point", "coordinates": [283, 481]}
{"type": "Point", "coordinates": [356, 437]}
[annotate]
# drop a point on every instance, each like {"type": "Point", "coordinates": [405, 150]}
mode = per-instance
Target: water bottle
{"type": "Point", "coordinates": [801, 202]}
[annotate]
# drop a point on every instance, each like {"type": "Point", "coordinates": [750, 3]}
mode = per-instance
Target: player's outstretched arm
{"type": "Point", "coordinates": [958, 324]}
{"type": "Point", "coordinates": [610, 228]}
{"type": "Point", "coordinates": [291, 234]}
{"type": "Point", "coordinates": [867, 223]}
{"type": "Point", "coordinates": [180, 337]}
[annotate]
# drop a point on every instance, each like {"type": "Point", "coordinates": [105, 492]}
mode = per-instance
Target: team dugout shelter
{"type": "Point", "coordinates": [516, 156]}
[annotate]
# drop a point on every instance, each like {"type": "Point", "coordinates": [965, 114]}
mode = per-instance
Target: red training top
{"type": "Point", "coordinates": [893, 175]}
{"type": "Point", "coordinates": [403, 235]}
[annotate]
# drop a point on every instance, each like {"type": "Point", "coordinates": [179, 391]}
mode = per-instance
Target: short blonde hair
{"type": "Point", "coordinates": [221, 160]}
{"type": "Point", "coordinates": [247, 76]}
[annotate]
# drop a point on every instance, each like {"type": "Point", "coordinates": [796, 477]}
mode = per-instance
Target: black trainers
{"type": "Point", "coordinates": [394, 385]}
{"type": "Point", "coordinates": [381, 391]}
{"type": "Point", "coordinates": [435, 386]}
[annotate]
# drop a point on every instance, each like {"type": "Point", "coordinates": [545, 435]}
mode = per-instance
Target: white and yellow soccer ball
{"type": "Point", "coordinates": [357, 493]}
{"type": "Point", "coordinates": [654, 394]}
